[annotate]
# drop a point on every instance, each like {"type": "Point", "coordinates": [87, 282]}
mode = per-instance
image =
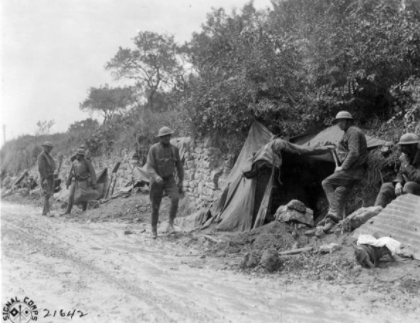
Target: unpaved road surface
{"type": "Point", "coordinates": [97, 269]}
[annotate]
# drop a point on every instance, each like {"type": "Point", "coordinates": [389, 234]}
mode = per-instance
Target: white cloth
{"type": "Point", "coordinates": [392, 244]}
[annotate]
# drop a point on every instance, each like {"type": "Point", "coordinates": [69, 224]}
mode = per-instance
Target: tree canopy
{"type": "Point", "coordinates": [153, 64]}
{"type": "Point", "coordinates": [107, 101]}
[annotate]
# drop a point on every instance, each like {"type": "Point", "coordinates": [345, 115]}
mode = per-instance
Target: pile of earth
{"type": "Point", "coordinates": [259, 251]}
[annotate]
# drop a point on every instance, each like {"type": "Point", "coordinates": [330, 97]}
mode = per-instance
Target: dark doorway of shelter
{"type": "Point", "coordinates": [301, 179]}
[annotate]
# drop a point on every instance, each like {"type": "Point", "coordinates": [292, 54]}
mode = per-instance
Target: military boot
{"type": "Point", "coordinates": [154, 232]}
{"type": "Point", "coordinates": [69, 207]}
{"type": "Point", "coordinates": [172, 214]}
{"type": "Point", "coordinates": [46, 209]}
{"type": "Point", "coordinates": [170, 228]}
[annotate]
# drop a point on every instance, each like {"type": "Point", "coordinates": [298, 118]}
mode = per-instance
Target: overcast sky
{"type": "Point", "coordinates": [53, 51]}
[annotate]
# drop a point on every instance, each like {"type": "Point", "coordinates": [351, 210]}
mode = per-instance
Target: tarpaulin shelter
{"type": "Point", "coordinates": [246, 200]}
{"type": "Point", "coordinates": [331, 134]}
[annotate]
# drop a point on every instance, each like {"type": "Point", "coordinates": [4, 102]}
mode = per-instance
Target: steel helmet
{"type": "Point", "coordinates": [408, 139]}
{"type": "Point", "coordinates": [80, 151]}
{"type": "Point", "coordinates": [164, 131]}
{"type": "Point", "coordinates": [47, 144]}
{"type": "Point", "coordinates": [343, 115]}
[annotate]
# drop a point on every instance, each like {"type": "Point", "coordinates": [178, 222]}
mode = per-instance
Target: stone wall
{"type": "Point", "coordinates": [206, 169]}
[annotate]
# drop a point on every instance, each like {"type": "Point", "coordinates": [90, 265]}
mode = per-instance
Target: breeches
{"type": "Point", "coordinates": [169, 186]}
{"type": "Point", "coordinates": [337, 188]}
{"type": "Point", "coordinates": [387, 192]}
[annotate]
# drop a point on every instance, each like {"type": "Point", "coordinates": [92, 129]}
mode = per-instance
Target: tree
{"type": "Point", "coordinates": [107, 101]}
{"type": "Point", "coordinates": [44, 127]}
{"type": "Point", "coordinates": [153, 64]}
{"type": "Point", "coordinates": [295, 66]}
{"type": "Point", "coordinates": [83, 126]}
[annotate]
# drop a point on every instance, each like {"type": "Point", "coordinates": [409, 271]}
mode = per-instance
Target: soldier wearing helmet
{"type": "Point", "coordinates": [46, 168]}
{"type": "Point", "coordinates": [87, 153]}
{"type": "Point", "coordinates": [82, 182]}
{"type": "Point", "coordinates": [352, 154]}
{"type": "Point", "coordinates": [408, 178]}
{"type": "Point", "coordinates": [162, 161]}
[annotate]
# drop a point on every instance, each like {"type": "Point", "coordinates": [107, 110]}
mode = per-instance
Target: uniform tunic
{"type": "Point", "coordinates": [46, 168]}
{"type": "Point", "coordinates": [163, 160]}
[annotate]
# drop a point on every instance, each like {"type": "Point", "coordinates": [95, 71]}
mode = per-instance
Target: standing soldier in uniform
{"type": "Point", "coordinates": [353, 155]}
{"type": "Point", "coordinates": [162, 160]}
{"type": "Point", "coordinates": [46, 167]}
{"type": "Point", "coordinates": [82, 179]}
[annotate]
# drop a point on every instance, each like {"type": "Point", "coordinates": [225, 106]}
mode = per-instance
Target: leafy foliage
{"type": "Point", "coordinates": [107, 101]}
{"type": "Point", "coordinates": [153, 64]}
{"type": "Point", "coordinates": [295, 66]}
{"type": "Point", "coordinates": [44, 127]}
{"type": "Point", "coordinates": [292, 67]}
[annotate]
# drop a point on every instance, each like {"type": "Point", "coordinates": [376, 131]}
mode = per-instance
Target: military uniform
{"type": "Point", "coordinates": [408, 175]}
{"type": "Point", "coordinates": [46, 168]}
{"type": "Point", "coordinates": [162, 161]}
{"type": "Point", "coordinates": [353, 154]}
{"type": "Point", "coordinates": [82, 180]}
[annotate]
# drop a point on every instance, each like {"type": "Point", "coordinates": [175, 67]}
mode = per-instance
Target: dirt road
{"type": "Point", "coordinates": [97, 269]}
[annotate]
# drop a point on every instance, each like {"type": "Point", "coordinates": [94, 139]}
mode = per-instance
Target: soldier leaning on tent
{"type": "Point", "coordinates": [46, 167]}
{"type": "Point", "coordinates": [353, 154]}
{"type": "Point", "coordinates": [408, 178]}
{"type": "Point", "coordinates": [82, 182]}
{"type": "Point", "coordinates": [162, 160]}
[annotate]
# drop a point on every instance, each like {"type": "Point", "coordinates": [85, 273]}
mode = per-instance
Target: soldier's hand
{"type": "Point", "coordinates": [329, 147]}
{"type": "Point", "coordinates": [338, 168]}
{"type": "Point", "coordinates": [398, 189]}
{"type": "Point", "coordinates": [159, 180]}
{"type": "Point", "coordinates": [404, 159]}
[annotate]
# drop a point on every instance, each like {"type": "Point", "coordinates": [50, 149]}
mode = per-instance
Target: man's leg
{"type": "Point", "coordinates": [48, 192]}
{"type": "Point", "coordinates": [336, 188]}
{"type": "Point", "coordinates": [84, 206]}
{"type": "Point", "coordinates": [386, 195]}
{"type": "Point", "coordinates": [172, 190]}
{"type": "Point", "coordinates": [156, 191]}
{"type": "Point", "coordinates": [71, 198]}
{"type": "Point", "coordinates": [46, 208]}
{"type": "Point", "coordinates": [412, 187]}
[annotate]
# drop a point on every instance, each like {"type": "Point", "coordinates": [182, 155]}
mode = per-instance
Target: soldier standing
{"type": "Point", "coordinates": [46, 167]}
{"type": "Point", "coordinates": [82, 178]}
{"type": "Point", "coordinates": [354, 155]}
{"type": "Point", "coordinates": [162, 160]}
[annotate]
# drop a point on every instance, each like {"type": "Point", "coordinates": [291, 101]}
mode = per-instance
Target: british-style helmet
{"type": "Point", "coordinates": [409, 139]}
{"type": "Point", "coordinates": [164, 131]}
{"type": "Point", "coordinates": [343, 115]}
{"type": "Point", "coordinates": [47, 144]}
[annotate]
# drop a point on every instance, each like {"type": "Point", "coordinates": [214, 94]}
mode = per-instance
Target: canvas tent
{"type": "Point", "coordinates": [247, 198]}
